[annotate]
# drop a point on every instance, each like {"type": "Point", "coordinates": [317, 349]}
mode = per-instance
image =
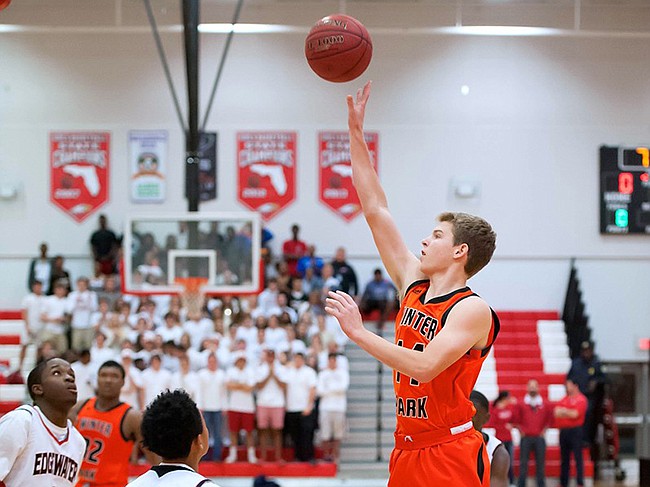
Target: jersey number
{"type": "Point", "coordinates": [94, 448]}
{"type": "Point", "coordinates": [419, 347]}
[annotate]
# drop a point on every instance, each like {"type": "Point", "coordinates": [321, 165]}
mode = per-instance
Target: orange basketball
{"type": "Point", "coordinates": [338, 48]}
{"type": "Point", "coordinates": [4, 4]}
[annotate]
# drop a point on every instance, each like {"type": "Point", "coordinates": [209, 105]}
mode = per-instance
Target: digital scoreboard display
{"type": "Point", "coordinates": [624, 190]}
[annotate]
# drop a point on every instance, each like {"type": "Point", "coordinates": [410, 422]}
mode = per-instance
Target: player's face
{"type": "Point", "coordinates": [109, 382]}
{"type": "Point", "coordinates": [58, 383]}
{"type": "Point", "coordinates": [437, 249]}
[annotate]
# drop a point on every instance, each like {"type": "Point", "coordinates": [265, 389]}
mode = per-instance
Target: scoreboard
{"type": "Point", "coordinates": [624, 190]}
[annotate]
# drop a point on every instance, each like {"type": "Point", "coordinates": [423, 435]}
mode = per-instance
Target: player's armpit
{"type": "Point", "coordinates": [499, 467]}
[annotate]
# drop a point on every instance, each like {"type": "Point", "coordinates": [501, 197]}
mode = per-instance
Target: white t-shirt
{"type": "Point", "coordinates": [154, 382]}
{"type": "Point", "coordinates": [198, 331]}
{"type": "Point", "coordinates": [299, 383]}
{"type": "Point", "coordinates": [172, 334]}
{"type": "Point", "coordinates": [40, 454]}
{"type": "Point", "coordinates": [273, 337]}
{"type": "Point", "coordinates": [54, 308]}
{"type": "Point", "coordinates": [85, 378]}
{"type": "Point", "coordinates": [241, 401]}
{"type": "Point", "coordinates": [81, 305]}
{"type": "Point", "coordinates": [171, 475]}
{"type": "Point", "coordinates": [132, 382]}
{"type": "Point", "coordinates": [271, 395]}
{"type": "Point", "coordinates": [214, 396]}
{"type": "Point", "coordinates": [42, 272]}
{"type": "Point", "coordinates": [33, 304]}
{"type": "Point", "coordinates": [332, 388]}
{"type": "Point", "coordinates": [188, 382]}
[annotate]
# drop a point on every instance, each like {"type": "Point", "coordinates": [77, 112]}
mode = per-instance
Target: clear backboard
{"type": "Point", "coordinates": [164, 253]}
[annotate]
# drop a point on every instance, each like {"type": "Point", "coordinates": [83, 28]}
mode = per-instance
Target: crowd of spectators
{"type": "Point", "coordinates": [267, 370]}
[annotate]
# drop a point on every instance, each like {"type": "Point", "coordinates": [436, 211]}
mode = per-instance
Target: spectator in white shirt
{"type": "Point", "coordinates": [172, 329]}
{"type": "Point", "coordinates": [247, 331]}
{"type": "Point", "coordinates": [54, 318]}
{"type": "Point", "coordinates": [275, 334]}
{"type": "Point", "coordinates": [32, 308]}
{"type": "Point", "coordinates": [85, 373]}
{"type": "Point", "coordinates": [132, 391]}
{"type": "Point", "coordinates": [300, 418]}
{"type": "Point", "coordinates": [198, 328]}
{"type": "Point", "coordinates": [100, 352]}
{"type": "Point", "coordinates": [186, 379]}
{"type": "Point", "coordinates": [240, 381]}
{"type": "Point", "coordinates": [213, 401]}
{"type": "Point", "coordinates": [267, 299]}
{"type": "Point", "coordinates": [333, 383]}
{"type": "Point", "coordinates": [82, 303]}
{"type": "Point", "coordinates": [102, 316]}
{"type": "Point", "coordinates": [271, 378]}
{"type": "Point", "coordinates": [155, 379]}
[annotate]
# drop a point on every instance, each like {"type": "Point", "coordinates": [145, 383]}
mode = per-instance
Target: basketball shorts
{"type": "Point", "coordinates": [460, 462]}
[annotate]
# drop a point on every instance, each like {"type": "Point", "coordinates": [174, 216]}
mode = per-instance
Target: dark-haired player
{"type": "Point", "coordinates": [39, 446]}
{"type": "Point", "coordinates": [443, 330]}
{"type": "Point", "coordinates": [110, 428]}
{"type": "Point", "coordinates": [499, 456]}
{"type": "Point", "coordinates": [173, 427]}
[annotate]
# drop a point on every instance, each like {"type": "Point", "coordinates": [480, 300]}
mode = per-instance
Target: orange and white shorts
{"type": "Point", "coordinates": [460, 461]}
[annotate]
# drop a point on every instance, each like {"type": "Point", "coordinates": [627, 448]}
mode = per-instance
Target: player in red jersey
{"type": "Point", "coordinates": [110, 428]}
{"type": "Point", "coordinates": [443, 331]}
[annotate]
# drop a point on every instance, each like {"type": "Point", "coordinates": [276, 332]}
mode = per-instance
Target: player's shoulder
{"type": "Point", "coordinates": [18, 422]}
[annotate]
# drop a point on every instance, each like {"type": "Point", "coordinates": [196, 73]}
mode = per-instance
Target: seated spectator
{"type": "Point", "coordinates": [267, 300]}
{"type": "Point", "coordinates": [296, 296]}
{"type": "Point", "coordinates": [379, 295]}
{"type": "Point", "coordinates": [311, 282]}
{"type": "Point", "coordinates": [247, 331]}
{"type": "Point", "coordinates": [240, 381]}
{"type": "Point", "coordinates": [100, 352]}
{"type": "Point", "coordinates": [332, 385]}
{"type": "Point", "coordinates": [344, 272]}
{"type": "Point", "coordinates": [330, 281]}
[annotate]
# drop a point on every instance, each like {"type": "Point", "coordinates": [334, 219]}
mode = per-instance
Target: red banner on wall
{"type": "Point", "coordinates": [266, 171]}
{"type": "Point", "coordinates": [335, 188]}
{"type": "Point", "coordinates": [79, 163]}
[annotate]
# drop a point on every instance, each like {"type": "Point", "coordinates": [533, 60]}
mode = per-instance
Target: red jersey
{"type": "Point", "coordinates": [441, 404]}
{"type": "Point", "coordinates": [106, 446]}
{"type": "Point", "coordinates": [577, 402]}
{"type": "Point", "coordinates": [294, 247]}
{"type": "Point", "coordinates": [499, 419]}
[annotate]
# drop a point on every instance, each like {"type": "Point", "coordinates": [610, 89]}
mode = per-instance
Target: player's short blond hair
{"type": "Point", "coordinates": [477, 234]}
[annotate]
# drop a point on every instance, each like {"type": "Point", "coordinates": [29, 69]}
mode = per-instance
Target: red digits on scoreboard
{"type": "Point", "coordinates": [625, 183]}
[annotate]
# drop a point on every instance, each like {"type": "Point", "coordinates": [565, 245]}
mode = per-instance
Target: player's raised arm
{"type": "Point", "coordinates": [401, 264]}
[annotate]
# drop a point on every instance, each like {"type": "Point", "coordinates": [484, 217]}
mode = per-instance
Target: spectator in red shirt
{"type": "Point", "coordinates": [501, 419]}
{"type": "Point", "coordinates": [569, 417]}
{"type": "Point", "coordinates": [293, 249]}
{"type": "Point", "coordinates": [533, 417]}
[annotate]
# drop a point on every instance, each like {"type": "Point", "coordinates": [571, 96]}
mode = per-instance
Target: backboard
{"type": "Point", "coordinates": [162, 251]}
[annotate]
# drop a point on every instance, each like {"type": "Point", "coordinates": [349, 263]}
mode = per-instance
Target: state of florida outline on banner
{"type": "Point", "coordinates": [335, 188]}
{"type": "Point", "coordinates": [79, 169]}
{"type": "Point", "coordinates": [266, 171]}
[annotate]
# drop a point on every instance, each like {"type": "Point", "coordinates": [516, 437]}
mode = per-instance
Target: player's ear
{"type": "Point", "coordinates": [37, 390]}
{"type": "Point", "coordinates": [461, 250]}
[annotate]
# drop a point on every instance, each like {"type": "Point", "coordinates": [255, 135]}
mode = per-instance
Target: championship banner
{"type": "Point", "coordinates": [79, 163]}
{"type": "Point", "coordinates": [148, 161]}
{"type": "Point", "coordinates": [266, 171]}
{"type": "Point", "coordinates": [335, 188]}
{"type": "Point", "coordinates": [208, 166]}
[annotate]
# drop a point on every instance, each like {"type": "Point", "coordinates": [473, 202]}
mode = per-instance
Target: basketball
{"type": "Point", "coordinates": [338, 48]}
{"type": "Point", "coordinates": [4, 4]}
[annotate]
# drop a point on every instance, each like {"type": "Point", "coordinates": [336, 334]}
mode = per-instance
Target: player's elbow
{"type": "Point", "coordinates": [424, 372]}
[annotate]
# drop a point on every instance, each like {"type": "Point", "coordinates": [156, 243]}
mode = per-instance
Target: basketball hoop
{"type": "Point", "coordinates": [193, 297]}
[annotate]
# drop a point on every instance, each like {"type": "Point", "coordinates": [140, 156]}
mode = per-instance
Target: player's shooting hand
{"type": "Point", "coordinates": [357, 107]}
{"type": "Point", "coordinates": [342, 307]}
